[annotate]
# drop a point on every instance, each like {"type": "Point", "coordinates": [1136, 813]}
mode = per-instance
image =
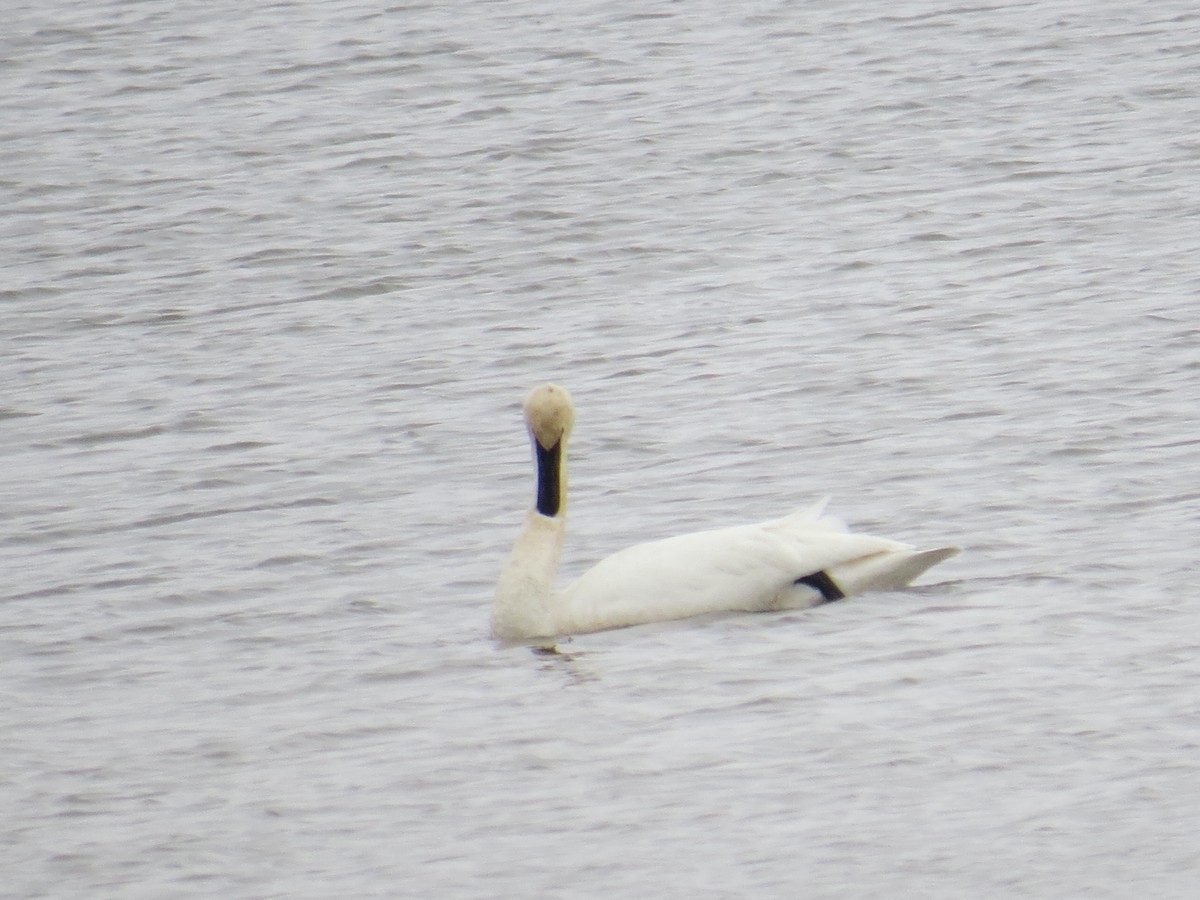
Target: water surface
{"type": "Point", "coordinates": [274, 282]}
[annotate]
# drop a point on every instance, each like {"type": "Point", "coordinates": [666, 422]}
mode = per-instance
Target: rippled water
{"type": "Point", "coordinates": [274, 280]}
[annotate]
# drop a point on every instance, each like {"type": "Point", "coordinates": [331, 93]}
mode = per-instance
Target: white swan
{"type": "Point", "coordinates": [797, 561]}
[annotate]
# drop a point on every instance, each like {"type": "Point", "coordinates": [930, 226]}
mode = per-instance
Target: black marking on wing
{"type": "Point", "coordinates": [820, 581]}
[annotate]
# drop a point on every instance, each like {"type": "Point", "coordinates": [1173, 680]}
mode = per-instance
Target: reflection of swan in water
{"type": "Point", "coordinates": [797, 561]}
{"type": "Point", "coordinates": [571, 663]}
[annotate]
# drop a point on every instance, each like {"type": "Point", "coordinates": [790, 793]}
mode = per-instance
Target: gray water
{"type": "Point", "coordinates": [274, 280]}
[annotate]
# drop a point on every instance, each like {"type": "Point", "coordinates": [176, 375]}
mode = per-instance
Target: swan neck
{"type": "Point", "coordinates": [524, 607]}
{"type": "Point", "coordinates": [551, 479]}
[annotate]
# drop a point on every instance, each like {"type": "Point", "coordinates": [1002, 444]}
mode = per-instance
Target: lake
{"type": "Point", "coordinates": [275, 281]}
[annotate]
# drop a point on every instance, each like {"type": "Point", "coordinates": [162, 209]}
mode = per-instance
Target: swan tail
{"type": "Point", "coordinates": [889, 570]}
{"type": "Point", "coordinates": [813, 512]}
{"type": "Point", "coordinates": [813, 516]}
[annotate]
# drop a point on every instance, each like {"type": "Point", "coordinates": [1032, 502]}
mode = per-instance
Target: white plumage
{"type": "Point", "coordinates": [793, 562]}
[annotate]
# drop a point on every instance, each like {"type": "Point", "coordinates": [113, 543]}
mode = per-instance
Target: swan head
{"type": "Point", "coordinates": [549, 415]}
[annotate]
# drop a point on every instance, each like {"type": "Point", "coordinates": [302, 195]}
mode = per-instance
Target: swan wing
{"type": "Point", "coordinates": [747, 567]}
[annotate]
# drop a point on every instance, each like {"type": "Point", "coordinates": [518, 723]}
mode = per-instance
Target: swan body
{"type": "Point", "coordinates": [793, 562]}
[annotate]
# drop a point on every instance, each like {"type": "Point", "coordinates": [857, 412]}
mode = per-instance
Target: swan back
{"type": "Point", "coordinates": [751, 568]}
